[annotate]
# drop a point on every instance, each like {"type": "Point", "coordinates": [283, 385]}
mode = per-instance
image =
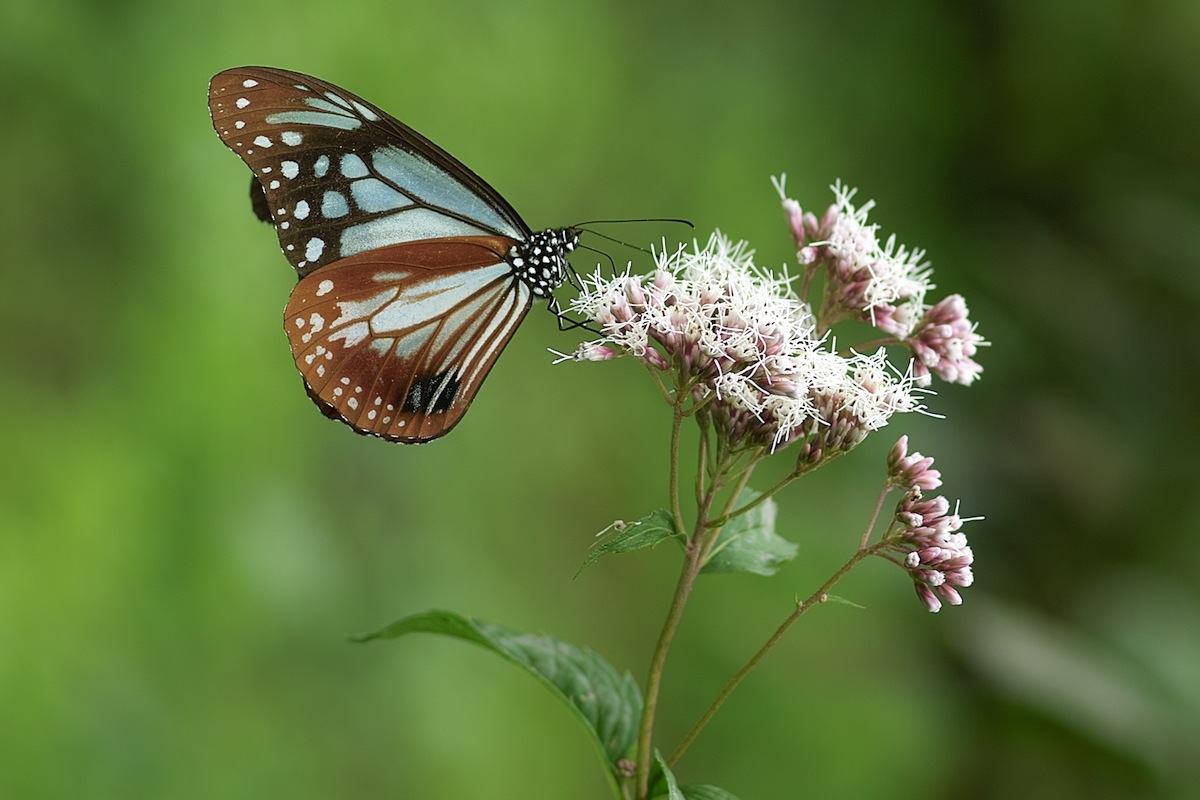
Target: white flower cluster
{"type": "Point", "coordinates": [897, 274]}
{"type": "Point", "coordinates": [886, 274]}
{"type": "Point", "coordinates": [884, 284]}
{"type": "Point", "coordinates": [737, 337]}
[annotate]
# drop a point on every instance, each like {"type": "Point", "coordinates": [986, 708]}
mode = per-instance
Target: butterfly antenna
{"type": "Point", "coordinates": [611, 263]}
{"type": "Point", "coordinates": [643, 219]}
{"type": "Point", "coordinates": [621, 242]}
{"type": "Point", "coordinates": [580, 226]}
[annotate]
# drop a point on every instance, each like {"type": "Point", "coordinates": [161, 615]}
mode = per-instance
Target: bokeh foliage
{"type": "Point", "coordinates": [184, 540]}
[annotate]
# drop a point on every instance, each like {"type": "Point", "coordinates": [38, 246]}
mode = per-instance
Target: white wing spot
{"type": "Point", "coordinates": [283, 226]}
{"type": "Point", "coordinates": [371, 414]}
{"type": "Point", "coordinates": [334, 205]}
{"type": "Point", "coordinates": [291, 138]}
{"type": "Point", "coordinates": [274, 184]}
{"type": "Point", "coordinates": [318, 324]}
{"type": "Point", "coordinates": [262, 141]}
{"type": "Point", "coordinates": [367, 114]}
{"type": "Point", "coordinates": [337, 391]}
{"type": "Point", "coordinates": [338, 99]}
{"type": "Point", "coordinates": [314, 248]}
{"type": "Point", "coordinates": [351, 336]}
{"type": "Point", "coordinates": [354, 167]}
{"type": "Point", "coordinates": [301, 211]}
{"type": "Point", "coordinates": [324, 287]}
{"type": "Point", "coordinates": [249, 83]}
{"type": "Point", "coordinates": [290, 169]}
{"type": "Point", "coordinates": [345, 381]}
{"type": "Point", "coordinates": [266, 170]}
{"type": "Point", "coordinates": [239, 124]}
{"type": "Point", "coordinates": [353, 403]}
{"type": "Point", "coordinates": [308, 359]}
{"type": "Point", "coordinates": [242, 102]}
{"type": "Point", "coordinates": [320, 370]}
{"type": "Point", "coordinates": [321, 166]}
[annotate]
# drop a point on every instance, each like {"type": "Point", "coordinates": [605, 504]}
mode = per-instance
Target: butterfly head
{"type": "Point", "coordinates": [540, 262]}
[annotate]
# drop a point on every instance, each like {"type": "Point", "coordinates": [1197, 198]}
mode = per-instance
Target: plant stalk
{"type": "Point", "coordinates": [818, 596]}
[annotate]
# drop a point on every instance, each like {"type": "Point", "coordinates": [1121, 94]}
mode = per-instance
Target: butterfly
{"type": "Point", "coordinates": [414, 272]}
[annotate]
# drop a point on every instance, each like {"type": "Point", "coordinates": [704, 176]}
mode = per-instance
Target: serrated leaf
{"type": "Point", "coordinates": [748, 543]}
{"type": "Point", "coordinates": [645, 532]}
{"type": "Point", "coordinates": [608, 703]}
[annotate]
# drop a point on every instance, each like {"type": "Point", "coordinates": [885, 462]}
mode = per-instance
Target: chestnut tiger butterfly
{"type": "Point", "coordinates": [414, 272]}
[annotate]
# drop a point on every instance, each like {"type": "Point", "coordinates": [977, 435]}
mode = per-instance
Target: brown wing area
{"type": "Point", "coordinates": [396, 342]}
{"type": "Point", "coordinates": [315, 151]}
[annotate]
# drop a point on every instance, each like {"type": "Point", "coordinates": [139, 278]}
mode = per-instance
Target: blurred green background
{"type": "Point", "coordinates": [185, 541]}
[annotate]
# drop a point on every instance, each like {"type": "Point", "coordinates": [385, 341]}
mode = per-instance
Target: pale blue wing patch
{"type": "Point", "coordinates": [328, 115]}
{"type": "Point", "coordinates": [409, 225]}
{"type": "Point", "coordinates": [373, 196]}
{"type": "Point", "coordinates": [432, 186]}
{"type": "Point", "coordinates": [434, 299]}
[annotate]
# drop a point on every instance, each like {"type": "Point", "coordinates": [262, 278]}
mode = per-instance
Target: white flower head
{"type": "Point", "coordinates": [738, 337]}
{"type": "Point", "coordinates": [895, 273]}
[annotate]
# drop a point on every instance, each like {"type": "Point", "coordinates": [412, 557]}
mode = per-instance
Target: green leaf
{"type": "Point", "coordinates": [834, 598]}
{"type": "Point", "coordinates": [608, 703]}
{"type": "Point", "coordinates": [748, 543]}
{"type": "Point", "coordinates": [705, 792]}
{"type": "Point", "coordinates": [646, 532]}
{"type": "Point", "coordinates": [673, 792]}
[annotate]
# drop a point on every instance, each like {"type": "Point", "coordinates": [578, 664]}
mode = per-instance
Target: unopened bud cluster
{"type": "Point", "coordinates": [926, 534]}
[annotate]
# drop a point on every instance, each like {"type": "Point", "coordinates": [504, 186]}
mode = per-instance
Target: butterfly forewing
{"type": "Point", "coordinates": [342, 177]}
{"type": "Point", "coordinates": [396, 342]}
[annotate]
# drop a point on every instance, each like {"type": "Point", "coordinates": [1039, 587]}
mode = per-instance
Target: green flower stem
{"type": "Point", "coordinates": [714, 526]}
{"type": "Point", "coordinates": [874, 344]}
{"type": "Point", "coordinates": [702, 457]}
{"type": "Point", "coordinates": [662, 387]}
{"type": "Point", "coordinates": [809, 272]}
{"type": "Point", "coordinates": [699, 544]}
{"type": "Point", "coordinates": [683, 588]}
{"type": "Point", "coordinates": [862, 545]}
{"type": "Point", "coordinates": [687, 577]}
{"type": "Point", "coordinates": [819, 596]}
{"type": "Point", "coordinates": [762, 498]}
{"type": "Point", "coordinates": [676, 431]}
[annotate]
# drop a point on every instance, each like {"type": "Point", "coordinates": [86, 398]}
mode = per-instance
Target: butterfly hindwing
{"type": "Point", "coordinates": [397, 341]}
{"type": "Point", "coordinates": [342, 177]}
